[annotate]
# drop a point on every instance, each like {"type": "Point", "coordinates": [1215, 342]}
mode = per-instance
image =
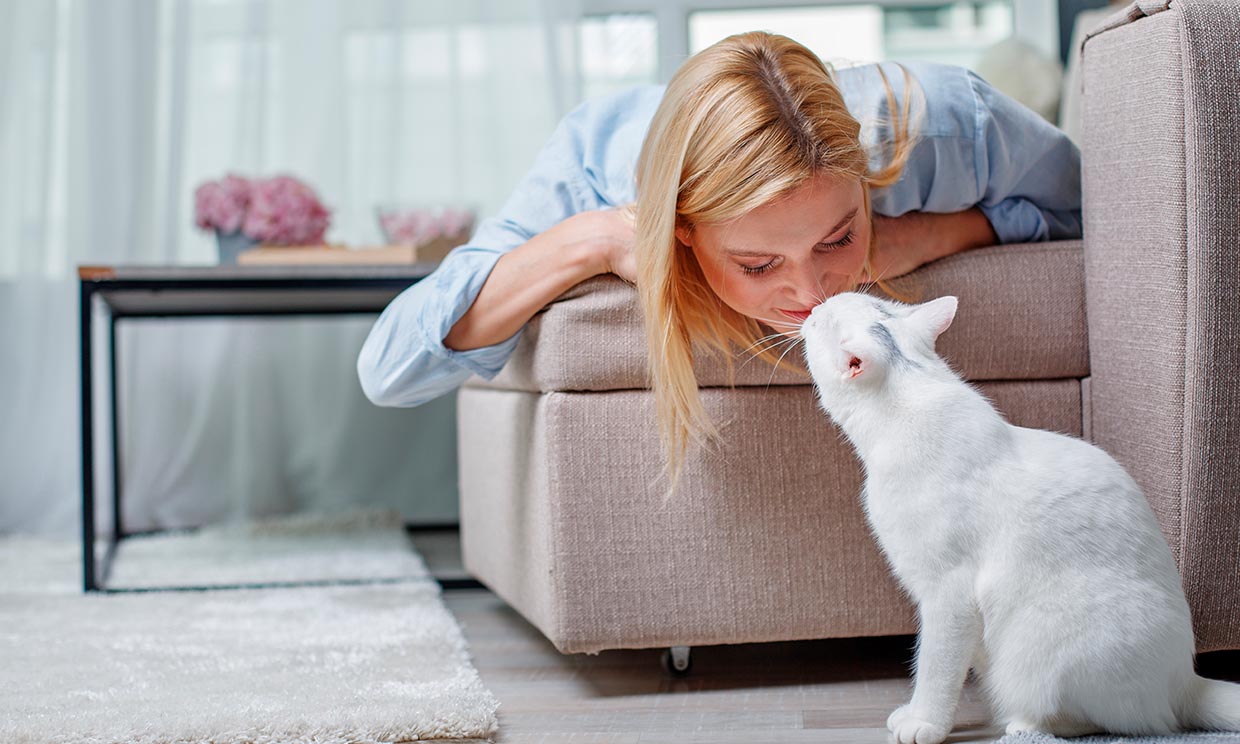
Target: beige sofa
{"type": "Point", "coordinates": [1128, 338]}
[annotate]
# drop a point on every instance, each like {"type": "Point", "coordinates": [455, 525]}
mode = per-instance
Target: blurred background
{"type": "Point", "coordinates": [112, 113]}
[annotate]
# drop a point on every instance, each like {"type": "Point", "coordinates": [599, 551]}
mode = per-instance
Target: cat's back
{"type": "Point", "coordinates": [1063, 472]}
{"type": "Point", "coordinates": [1071, 542]}
{"type": "Point", "coordinates": [1073, 497]}
{"type": "Point", "coordinates": [1042, 447]}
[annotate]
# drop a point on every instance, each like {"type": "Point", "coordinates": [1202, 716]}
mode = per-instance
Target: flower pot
{"type": "Point", "coordinates": [231, 245]}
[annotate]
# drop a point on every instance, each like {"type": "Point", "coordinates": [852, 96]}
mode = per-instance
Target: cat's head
{"type": "Point", "coordinates": [855, 341]}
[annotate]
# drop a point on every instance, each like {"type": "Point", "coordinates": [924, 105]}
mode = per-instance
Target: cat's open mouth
{"type": "Point", "coordinates": [854, 364]}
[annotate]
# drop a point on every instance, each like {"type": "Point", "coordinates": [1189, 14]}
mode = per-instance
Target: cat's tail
{"type": "Point", "coordinates": [1211, 704]}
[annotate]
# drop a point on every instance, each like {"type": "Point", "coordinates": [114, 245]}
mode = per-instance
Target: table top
{"type": "Point", "coordinates": [154, 273]}
{"type": "Point", "coordinates": [185, 291]}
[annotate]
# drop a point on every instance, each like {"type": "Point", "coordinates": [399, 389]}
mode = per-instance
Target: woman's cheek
{"type": "Point", "coordinates": [748, 296]}
{"type": "Point", "coordinates": [852, 262]}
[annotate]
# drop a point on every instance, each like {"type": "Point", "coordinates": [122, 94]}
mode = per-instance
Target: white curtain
{"type": "Point", "coordinates": [112, 112]}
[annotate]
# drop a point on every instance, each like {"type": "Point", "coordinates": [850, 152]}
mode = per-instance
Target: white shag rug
{"type": "Point", "coordinates": [1194, 737]}
{"type": "Point", "coordinates": [338, 664]}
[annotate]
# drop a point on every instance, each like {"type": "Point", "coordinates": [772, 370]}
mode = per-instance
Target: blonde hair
{"type": "Point", "coordinates": [742, 123]}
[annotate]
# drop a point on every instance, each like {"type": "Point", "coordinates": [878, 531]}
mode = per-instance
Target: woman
{"type": "Point", "coordinates": [757, 193]}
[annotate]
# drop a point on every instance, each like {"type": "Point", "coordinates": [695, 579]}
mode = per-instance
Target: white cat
{"type": "Point", "coordinates": [1033, 557]}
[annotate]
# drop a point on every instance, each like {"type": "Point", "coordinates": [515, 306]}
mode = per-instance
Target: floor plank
{"type": "Point", "coordinates": [821, 691]}
{"type": "Point", "coordinates": [824, 691]}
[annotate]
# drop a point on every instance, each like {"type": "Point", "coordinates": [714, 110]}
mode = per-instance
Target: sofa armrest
{"type": "Point", "coordinates": [1162, 225]}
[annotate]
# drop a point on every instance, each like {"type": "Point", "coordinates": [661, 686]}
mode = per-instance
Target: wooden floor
{"type": "Point", "coordinates": [819, 691]}
{"type": "Point", "coordinates": [811, 691]}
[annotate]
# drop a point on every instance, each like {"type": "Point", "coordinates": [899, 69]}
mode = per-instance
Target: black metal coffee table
{"type": "Point", "coordinates": [206, 291]}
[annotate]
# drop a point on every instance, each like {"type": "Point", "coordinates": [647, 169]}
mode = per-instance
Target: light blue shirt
{"type": "Point", "coordinates": [976, 147]}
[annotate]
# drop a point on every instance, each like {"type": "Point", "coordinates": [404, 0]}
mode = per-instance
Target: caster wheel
{"type": "Point", "coordinates": [677, 662]}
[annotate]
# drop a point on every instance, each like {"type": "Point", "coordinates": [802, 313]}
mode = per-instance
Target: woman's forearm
{"type": "Point", "coordinates": [965, 230]}
{"type": "Point", "coordinates": [529, 277]}
{"type": "Point", "coordinates": [934, 236]}
{"type": "Point", "coordinates": [917, 238]}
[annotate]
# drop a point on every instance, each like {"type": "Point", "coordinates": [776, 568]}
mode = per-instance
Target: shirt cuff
{"type": "Point", "coordinates": [1016, 220]}
{"type": "Point", "coordinates": [486, 361]}
{"type": "Point", "coordinates": [469, 271]}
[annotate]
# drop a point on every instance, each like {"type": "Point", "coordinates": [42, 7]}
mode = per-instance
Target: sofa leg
{"type": "Point", "coordinates": [677, 661]}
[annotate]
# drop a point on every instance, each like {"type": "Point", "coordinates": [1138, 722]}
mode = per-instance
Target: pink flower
{"type": "Point", "coordinates": [420, 226]}
{"type": "Point", "coordinates": [279, 210]}
{"type": "Point", "coordinates": [284, 211]}
{"type": "Point", "coordinates": [221, 205]}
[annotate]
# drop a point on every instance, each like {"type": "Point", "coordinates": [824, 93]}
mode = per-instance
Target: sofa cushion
{"type": "Point", "coordinates": [563, 515]}
{"type": "Point", "coordinates": [1022, 317]}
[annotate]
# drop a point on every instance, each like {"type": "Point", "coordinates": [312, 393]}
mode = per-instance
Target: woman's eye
{"type": "Point", "coordinates": [758, 269]}
{"type": "Point", "coordinates": [846, 240]}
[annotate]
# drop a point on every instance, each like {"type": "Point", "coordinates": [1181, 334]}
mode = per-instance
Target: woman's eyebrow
{"type": "Point", "coordinates": [842, 222]}
{"type": "Point", "coordinates": [763, 254]}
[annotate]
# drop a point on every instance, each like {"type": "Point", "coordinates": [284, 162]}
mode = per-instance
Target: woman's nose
{"type": "Point", "coordinates": [811, 286]}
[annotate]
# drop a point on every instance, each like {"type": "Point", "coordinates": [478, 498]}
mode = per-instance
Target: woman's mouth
{"type": "Point", "coordinates": [798, 315]}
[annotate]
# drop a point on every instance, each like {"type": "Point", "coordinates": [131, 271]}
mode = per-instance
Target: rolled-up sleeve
{"type": "Point", "coordinates": [403, 361]}
{"type": "Point", "coordinates": [1029, 171]}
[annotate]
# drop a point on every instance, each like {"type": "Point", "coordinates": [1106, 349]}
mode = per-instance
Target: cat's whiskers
{"type": "Point", "coordinates": [775, 368]}
{"type": "Point", "coordinates": [777, 334]}
{"type": "Point", "coordinates": [822, 292]}
{"type": "Point", "coordinates": [775, 345]}
{"type": "Point", "coordinates": [773, 322]}
{"type": "Point", "coordinates": [790, 342]}
{"type": "Point", "coordinates": [871, 282]}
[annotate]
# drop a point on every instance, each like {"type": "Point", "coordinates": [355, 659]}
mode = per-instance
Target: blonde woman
{"type": "Point", "coordinates": [757, 192]}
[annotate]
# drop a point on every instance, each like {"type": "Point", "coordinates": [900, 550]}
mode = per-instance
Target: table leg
{"type": "Point", "coordinates": [118, 530]}
{"type": "Point", "coordinates": [86, 370]}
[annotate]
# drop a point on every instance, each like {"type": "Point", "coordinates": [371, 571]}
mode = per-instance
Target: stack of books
{"type": "Point", "coordinates": [286, 255]}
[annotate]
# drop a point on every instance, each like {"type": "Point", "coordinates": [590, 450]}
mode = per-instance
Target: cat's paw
{"type": "Point", "coordinates": [1017, 726]}
{"type": "Point", "coordinates": [897, 715]}
{"type": "Point", "coordinates": [1059, 727]}
{"type": "Point", "coordinates": [908, 726]}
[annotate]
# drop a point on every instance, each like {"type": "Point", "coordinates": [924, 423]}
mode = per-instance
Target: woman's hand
{"type": "Point", "coordinates": [907, 242]}
{"type": "Point", "coordinates": [621, 260]}
{"type": "Point", "coordinates": [897, 251]}
{"type": "Point", "coordinates": [610, 234]}
{"type": "Point", "coordinates": [534, 273]}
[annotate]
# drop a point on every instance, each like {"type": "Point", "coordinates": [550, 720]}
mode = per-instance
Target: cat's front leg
{"type": "Point", "coordinates": [951, 630]}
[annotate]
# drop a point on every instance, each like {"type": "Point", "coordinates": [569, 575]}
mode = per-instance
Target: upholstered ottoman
{"type": "Point", "coordinates": [562, 504]}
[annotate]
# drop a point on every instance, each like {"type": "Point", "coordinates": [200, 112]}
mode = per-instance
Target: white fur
{"type": "Point", "coordinates": [1033, 557]}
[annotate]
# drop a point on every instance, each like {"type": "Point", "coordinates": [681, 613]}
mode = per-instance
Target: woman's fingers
{"type": "Point", "coordinates": [623, 234]}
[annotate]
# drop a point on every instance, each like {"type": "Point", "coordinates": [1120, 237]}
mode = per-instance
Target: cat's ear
{"type": "Point", "coordinates": [855, 364]}
{"type": "Point", "coordinates": [934, 317]}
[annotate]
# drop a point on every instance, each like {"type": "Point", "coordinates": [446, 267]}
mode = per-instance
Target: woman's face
{"type": "Point", "coordinates": [778, 261]}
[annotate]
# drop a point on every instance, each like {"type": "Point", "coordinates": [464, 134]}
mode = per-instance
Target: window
{"type": "Point", "coordinates": [840, 31]}
{"type": "Point", "coordinates": [953, 33]}
{"type": "Point", "coordinates": [617, 51]}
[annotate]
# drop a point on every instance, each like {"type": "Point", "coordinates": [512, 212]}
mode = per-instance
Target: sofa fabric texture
{"type": "Point", "coordinates": [1162, 225]}
{"type": "Point", "coordinates": [1129, 338]}
{"type": "Point", "coordinates": [563, 511]}
{"type": "Point", "coordinates": [566, 519]}
{"type": "Point", "coordinates": [1022, 316]}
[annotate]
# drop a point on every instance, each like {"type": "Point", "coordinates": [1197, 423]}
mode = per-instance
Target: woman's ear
{"type": "Point", "coordinates": [684, 233]}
